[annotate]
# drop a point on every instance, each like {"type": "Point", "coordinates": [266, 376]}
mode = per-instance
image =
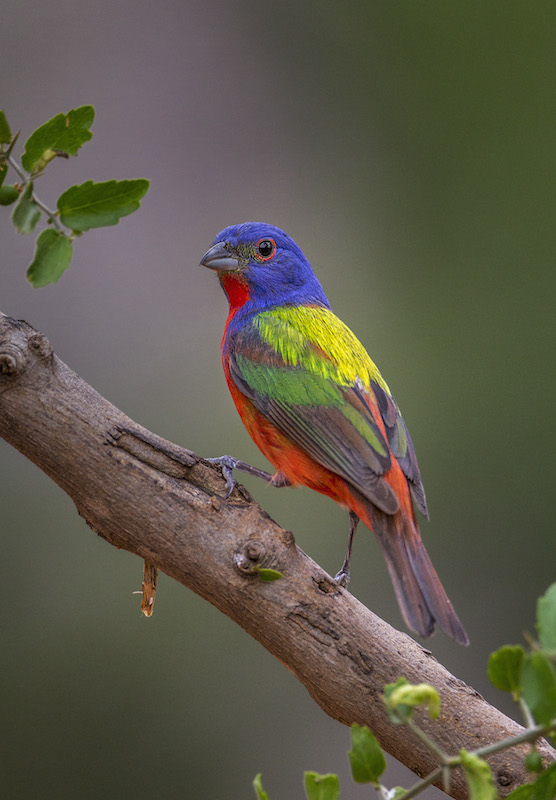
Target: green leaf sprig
{"type": "Point", "coordinates": [531, 679]}
{"type": "Point", "coordinates": [79, 208]}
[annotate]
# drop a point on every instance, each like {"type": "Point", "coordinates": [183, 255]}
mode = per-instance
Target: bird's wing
{"type": "Point", "coordinates": [305, 371]}
{"type": "Point", "coordinates": [401, 444]}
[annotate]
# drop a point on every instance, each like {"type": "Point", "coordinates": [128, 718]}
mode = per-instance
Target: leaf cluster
{"type": "Point", "coordinates": [80, 208]}
{"type": "Point", "coordinates": [531, 679]}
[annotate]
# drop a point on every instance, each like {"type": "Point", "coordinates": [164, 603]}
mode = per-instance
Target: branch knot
{"type": "Point", "coordinates": [10, 363]}
{"type": "Point", "coordinates": [250, 554]}
{"type": "Point", "coordinates": [39, 344]}
{"type": "Point", "coordinates": [18, 341]}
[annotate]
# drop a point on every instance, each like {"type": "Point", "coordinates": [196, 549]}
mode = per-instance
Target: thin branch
{"type": "Point", "coordinates": [25, 179]}
{"type": "Point", "coordinates": [167, 505]}
{"type": "Point", "coordinates": [529, 735]}
{"type": "Point", "coordinates": [526, 711]}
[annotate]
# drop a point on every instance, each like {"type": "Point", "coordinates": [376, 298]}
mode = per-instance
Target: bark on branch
{"type": "Point", "coordinates": [165, 504]}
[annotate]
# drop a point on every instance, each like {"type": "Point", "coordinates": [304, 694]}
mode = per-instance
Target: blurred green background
{"type": "Point", "coordinates": [409, 148]}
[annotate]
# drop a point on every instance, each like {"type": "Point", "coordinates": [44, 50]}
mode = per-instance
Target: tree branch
{"type": "Point", "coordinates": [165, 504]}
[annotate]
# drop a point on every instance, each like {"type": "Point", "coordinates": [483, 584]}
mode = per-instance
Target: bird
{"type": "Point", "coordinates": [320, 411]}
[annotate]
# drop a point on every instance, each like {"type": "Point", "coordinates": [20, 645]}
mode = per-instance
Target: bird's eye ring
{"type": "Point", "coordinates": [265, 249]}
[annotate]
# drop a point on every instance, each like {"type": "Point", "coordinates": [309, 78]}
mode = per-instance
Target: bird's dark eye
{"type": "Point", "coordinates": [265, 249]}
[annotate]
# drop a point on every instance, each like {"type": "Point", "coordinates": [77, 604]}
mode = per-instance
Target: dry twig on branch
{"type": "Point", "coordinates": [166, 505]}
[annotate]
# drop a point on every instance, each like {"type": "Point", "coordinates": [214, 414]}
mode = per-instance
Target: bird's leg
{"type": "Point", "coordinates": [342, 576]}
{"type": "Point", "coordinates": [229, 463]}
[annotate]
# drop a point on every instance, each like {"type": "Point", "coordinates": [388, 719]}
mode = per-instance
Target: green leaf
{"type": "Point", "coordinates": [479, 777]}
{"type": "Point", "coordinates": [321, 787]}
{"type": "Point", "coordinates": [366, 757]}
{"type": "Point", "coordinates": [52, 257]}
{"type": "Point", "coordinates": [64, 132]}
{"type": "Point", "coordinates": [258, 787]}
{"type": "Point", "coordinates": [538, 681]}
{"type": "Point", "coordinates": [8, 195]}
{"type": "Point", "coordinates": [544, 788]}
{"type": "Point", "coordinates": [267, 575]}
{"type": "Point", "coordinates": [524, 792]}
{"type": "Point", "coordinates": [3, 171]}
{"type": "Point", "coordinates": [546, 619]}
{"type": "Point", "coordinates": [533, 762]}
{"type": "Point", "coordinates": [93, 205]}
{"type": "Point", "coordinates": [5, 132]}
{"type": "Point", "coordinates": [397, 715]}
{"type": "Point", "coordinates": [504, 669]}
{"type": "Point", "coordinates": [26, 214]}
{"type": "Point", "coordinates": [402, 697]}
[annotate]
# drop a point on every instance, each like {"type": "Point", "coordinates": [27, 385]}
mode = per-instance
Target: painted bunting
{"type": "Point", "coordinates": [319, 410]}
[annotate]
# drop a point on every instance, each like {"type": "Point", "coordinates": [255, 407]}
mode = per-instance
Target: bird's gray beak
{"type": "Point", "coordinates": [219, 258]}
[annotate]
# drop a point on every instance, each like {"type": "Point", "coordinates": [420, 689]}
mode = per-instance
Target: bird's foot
{"type": "Point", "coordinates": [342, 577]}
{"type": "Point", "coordinates": [229, 463]}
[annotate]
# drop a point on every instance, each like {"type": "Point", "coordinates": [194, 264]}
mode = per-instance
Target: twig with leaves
{"type": "Point", "coordinates": [531, 679]}
{"type": "Point", "coordinates": [80, 208]}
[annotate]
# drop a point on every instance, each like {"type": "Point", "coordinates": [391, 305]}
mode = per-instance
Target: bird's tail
{"type": "Point", "coordinates": [421, 597]}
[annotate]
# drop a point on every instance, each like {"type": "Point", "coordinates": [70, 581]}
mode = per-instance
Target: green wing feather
{"type": "Point", "coordinates": [306, 372]}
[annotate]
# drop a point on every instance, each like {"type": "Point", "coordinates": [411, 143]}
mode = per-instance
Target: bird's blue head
{"type": "Point", "coordinates": [260, 267]}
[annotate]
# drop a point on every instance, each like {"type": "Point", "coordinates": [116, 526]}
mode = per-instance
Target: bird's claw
{"type": "Point", "coordinates": [342, 578]}
{"type": "Point", "coordinates": [227, 465]}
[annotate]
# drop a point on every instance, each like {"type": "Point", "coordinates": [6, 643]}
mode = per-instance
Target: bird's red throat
{"type": "Point", "coordinates": [237, 292]}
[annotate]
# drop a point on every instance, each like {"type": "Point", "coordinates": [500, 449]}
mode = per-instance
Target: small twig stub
{"type": "Point", "coordinates": [148, 588]}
